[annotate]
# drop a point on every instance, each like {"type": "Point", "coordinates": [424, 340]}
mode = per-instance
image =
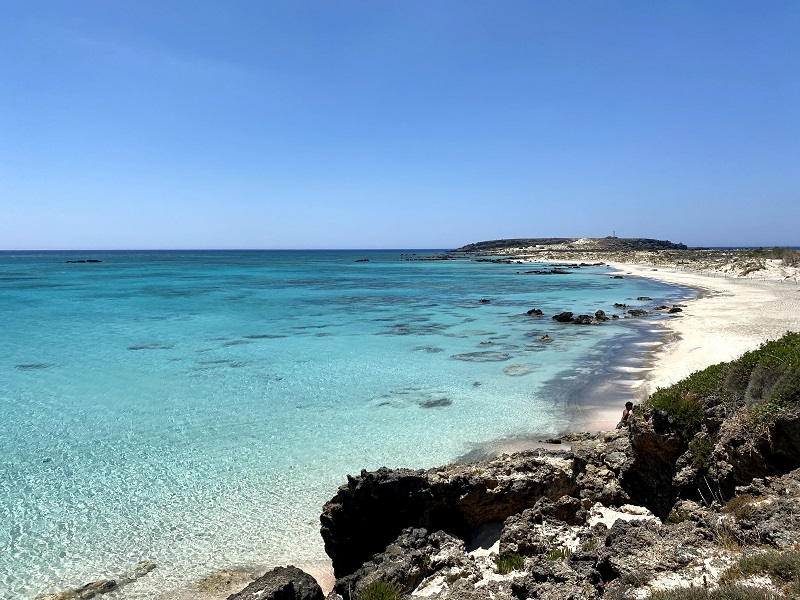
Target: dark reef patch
{"type": "Point", "coordinates": [436, 403]}
{"type": "Point", "coordinates": [488, 356]}
{"type": "Point", "coordinates": [237, 343]}
{"type": "Point", "coordinates": [151, 347]}
{"type": "Point", "coordinates": [429, 349]}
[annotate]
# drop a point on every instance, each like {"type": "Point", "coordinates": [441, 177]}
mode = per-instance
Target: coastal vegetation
{"type": "Point", "coordinates": [380, 590]}
{"type": "Point", "coordinates": [508, 562]}
{"type": "Point", "coordinates": [764, 383]}
{"type": "Point", "coordinates": [737, 592]}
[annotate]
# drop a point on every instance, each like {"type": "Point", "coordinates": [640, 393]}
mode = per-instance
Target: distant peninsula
{"type": "Point", "coordinates": [605, 244]}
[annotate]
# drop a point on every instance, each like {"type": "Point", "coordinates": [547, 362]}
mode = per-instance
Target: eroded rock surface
{"type": "Point", "coordinates": [282, 583]}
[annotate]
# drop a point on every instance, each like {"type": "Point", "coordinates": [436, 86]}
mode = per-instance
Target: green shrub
{"type": "Point", "coordinates": [767, 380]}
{"type": "Point", "coordinates": [735, 592]}
{"type": "Point", "coordinates": [380, 590]}
{"type": "Point", "coordinates": [677, 516]}
{"type": "Point", "coordinates": [559, 553]}
{"type": "Point", "coordinates": [509, 562]}
{"type": "Point", "coordinates": [783, 568]}
{"type": "Point", "coordinates": [701, 449]}
{"type": "Point", "coordinates": [685, 410]}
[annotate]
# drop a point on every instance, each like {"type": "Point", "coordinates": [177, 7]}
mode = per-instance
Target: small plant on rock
{"type": "Point", "coordinates": [725, 592]}
{"type": "Point", "coordinates": [783, 568]}
{"type": "Point", "coordinates": [559, 553]}
{"type": "Point", "coordinates": [741, 507]}
{"type": "Point", "coordinates": [508, 562]}
{"type": "Point", "coordinates": [677, 516]}
{"type": "Point", "coordinates": [380, 590]}
{"type": "Point", "coordinates": [701, 449]}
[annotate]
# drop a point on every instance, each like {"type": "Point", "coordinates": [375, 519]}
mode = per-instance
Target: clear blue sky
{"type": "Point", "coordinates": [396, 124]}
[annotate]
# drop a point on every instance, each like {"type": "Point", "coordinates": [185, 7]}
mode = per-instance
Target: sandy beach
{"type": "Point", "coordinates": [731, 316]}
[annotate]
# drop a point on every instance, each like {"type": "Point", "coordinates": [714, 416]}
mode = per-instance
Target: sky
{"type": "Point", "coordinates": [397, 124]}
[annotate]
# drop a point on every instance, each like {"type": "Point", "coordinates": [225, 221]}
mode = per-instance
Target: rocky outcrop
{"type": "Point", "coordinates": [371, 510]}
{"type": "Point", "coordinates": [282, 583]}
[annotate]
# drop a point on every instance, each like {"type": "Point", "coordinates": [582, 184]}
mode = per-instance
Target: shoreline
{"type": "Point", "coordinates": [728, 317]}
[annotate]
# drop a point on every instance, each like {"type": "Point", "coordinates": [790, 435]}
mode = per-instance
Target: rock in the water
{"type": "Point", "coordinates": [564, 317]}
{"type": "Point", "coordinates": [535, 312]}
{"type": "Point", "coordinates": [637, 312]}
{"type": "Point", "coordinates": [85, 592]}
{"type": "Point", "coordinates": [675, 309]}
{"type": "Point", "coordinates": [583, 320]}
{"type": "Point", "coordinates": [282, 583]}
{"type": "Point", "coordinates": [600, 315]}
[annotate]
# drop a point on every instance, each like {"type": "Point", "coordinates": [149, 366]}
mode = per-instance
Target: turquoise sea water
{"type": "Point", "coordinates": [198, 408]}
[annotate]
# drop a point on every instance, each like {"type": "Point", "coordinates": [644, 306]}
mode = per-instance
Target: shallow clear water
{"type": "Point", "coordinates": [198, 408]}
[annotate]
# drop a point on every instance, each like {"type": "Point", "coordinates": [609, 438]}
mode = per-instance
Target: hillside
{"type": "Point", "coordinates": [606, 244]}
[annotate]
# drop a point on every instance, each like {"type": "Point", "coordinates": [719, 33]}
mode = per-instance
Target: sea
{"type": "Point", "coordinates": [198, 408]}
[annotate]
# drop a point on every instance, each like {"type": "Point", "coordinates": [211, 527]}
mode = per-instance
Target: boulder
{"type": "Point", "coordinates": [564, 317]}
{"type": "Point", "coordinates": [373, 509]}
{"type": "Point", "coordinates": [583, 320]}
{"type": "Point", "coordinates": [535, 312]}
{"type": "Point", "coordinates": [282, 583]}
{"type": "Point", "coordinates": [405, 562]}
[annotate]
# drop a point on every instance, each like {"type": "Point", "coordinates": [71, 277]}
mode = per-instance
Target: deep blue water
{"type": "Point", "coordinates": [198, 408]}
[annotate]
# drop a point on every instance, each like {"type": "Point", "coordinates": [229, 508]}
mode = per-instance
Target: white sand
{"type": "Point", "coordinates": [733, 315]}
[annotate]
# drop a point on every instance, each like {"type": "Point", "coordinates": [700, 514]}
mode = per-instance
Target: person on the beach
{"type": "Point", "coordinates": [625, 415]}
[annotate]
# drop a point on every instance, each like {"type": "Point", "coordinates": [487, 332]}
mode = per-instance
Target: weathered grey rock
{"type": "Point", "coordinates": [405, 562]}
{"type": "Point", "coordinates": [371, 510]}
{"type": "Point", "coordinates": [282, 583]}
{"type": "Point", "coordinates": [583, 320]}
